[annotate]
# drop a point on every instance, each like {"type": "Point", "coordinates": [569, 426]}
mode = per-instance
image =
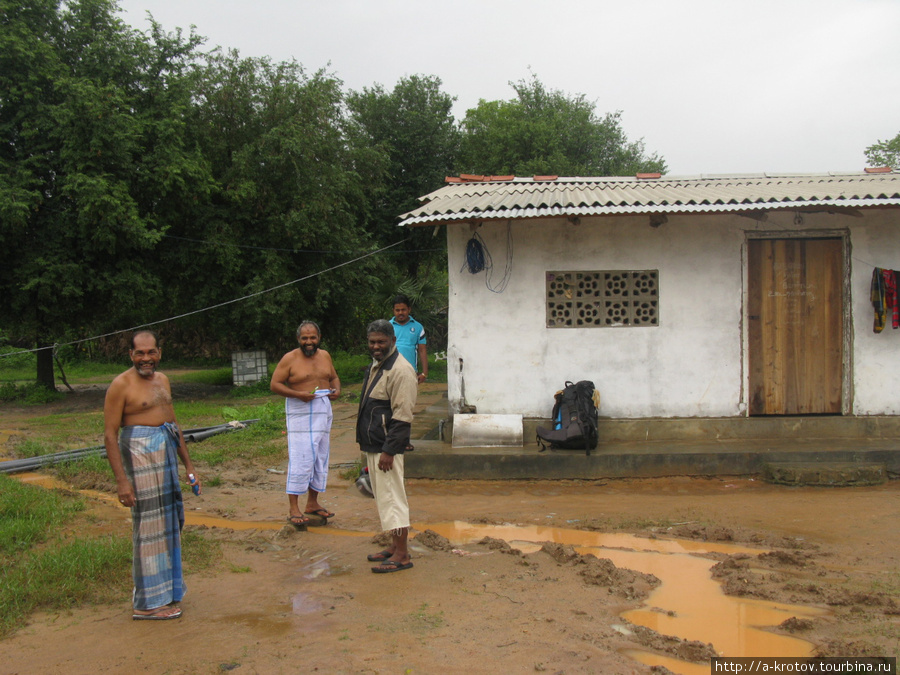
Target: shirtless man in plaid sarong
{"type": "Point", "coordinates": [144, 459]}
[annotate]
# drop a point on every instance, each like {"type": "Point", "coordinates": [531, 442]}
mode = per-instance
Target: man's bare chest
{"type": "Point", "coordinates": [147, 397]}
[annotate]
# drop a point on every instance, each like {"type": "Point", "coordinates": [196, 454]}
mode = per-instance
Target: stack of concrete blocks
{"type": "Point", "coordinates": [249, 367]}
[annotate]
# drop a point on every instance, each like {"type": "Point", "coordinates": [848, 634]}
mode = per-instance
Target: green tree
{"type": "Point", "coordinates": [414, 125]}
{"type": "Point", "coordinates": [92, 163]}
{"type": "Point", "coordinates": [546, 132]}
{"type": "Point", "coordinates": [885, 153]}
{"type": "Point", "coordinates": [289, 200]}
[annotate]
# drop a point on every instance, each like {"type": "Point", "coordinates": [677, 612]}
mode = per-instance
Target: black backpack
{"type": "Point", "coordinates": [574, 419]}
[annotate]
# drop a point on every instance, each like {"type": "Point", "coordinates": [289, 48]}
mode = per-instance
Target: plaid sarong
{"type": "Point", "coordinates": [149, 456]}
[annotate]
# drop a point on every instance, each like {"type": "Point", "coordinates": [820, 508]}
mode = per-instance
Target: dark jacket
{"type": "Point", "coordinates": [385, 406]}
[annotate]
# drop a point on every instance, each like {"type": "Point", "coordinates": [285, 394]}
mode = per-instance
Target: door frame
{"type": "Point", "coordinates": [846, 309]}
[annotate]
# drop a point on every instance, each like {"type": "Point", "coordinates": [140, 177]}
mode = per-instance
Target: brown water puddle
{"type": "Point", "coordinates": [50, 483]}
{"type": "Point", "coordinates": [688, 603]}
{"type": "Point", "coordinates": [190, 517]}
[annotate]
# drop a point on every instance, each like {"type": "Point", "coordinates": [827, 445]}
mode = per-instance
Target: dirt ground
{"type": "Point", "coordinates": [283, 600]}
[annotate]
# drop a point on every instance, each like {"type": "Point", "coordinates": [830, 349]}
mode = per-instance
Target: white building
{"type": "Point", "coordinates": [722, 296]}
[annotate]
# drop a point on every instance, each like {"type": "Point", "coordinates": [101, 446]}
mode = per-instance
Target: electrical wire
{"type": "Point", "coordinates": [206, 309]}
{"type": "Point", "coordinates": [478, 259]}
{"type": "Point", "coordinates": [210, 242]}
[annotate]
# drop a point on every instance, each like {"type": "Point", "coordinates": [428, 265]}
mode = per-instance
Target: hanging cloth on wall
{"type": "Point", "coordinates": [884, 298]}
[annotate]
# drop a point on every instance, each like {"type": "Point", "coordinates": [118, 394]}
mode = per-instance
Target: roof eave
{"type": "Point", "coordinates": [637, 210]}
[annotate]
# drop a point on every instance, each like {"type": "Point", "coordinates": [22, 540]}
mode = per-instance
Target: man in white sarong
{"type": "Point", "coordinates": [307, 379]}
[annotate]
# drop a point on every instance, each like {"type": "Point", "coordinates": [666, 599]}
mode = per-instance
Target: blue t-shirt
{"type": "Point", "coordinates": [409, 336]}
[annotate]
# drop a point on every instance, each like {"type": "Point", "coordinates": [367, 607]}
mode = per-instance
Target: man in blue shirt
{"type": "Point", "coordinates": [410, 337]}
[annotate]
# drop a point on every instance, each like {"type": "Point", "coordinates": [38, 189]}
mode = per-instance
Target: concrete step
{"type": "Point", "coordinates": [828, 474]}
{"type": "Point", "coordinates": [436, 459]}
{"type": "Point", "coordinates": [661, 447]}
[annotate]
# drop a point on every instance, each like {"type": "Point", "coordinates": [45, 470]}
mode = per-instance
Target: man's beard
{"type": "Point", "coordinates": [147, 375]}
{"type": "Point", "coordinates": [309, 350]}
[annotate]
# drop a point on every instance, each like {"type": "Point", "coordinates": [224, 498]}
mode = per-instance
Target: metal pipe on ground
{"type": "Point", "coordinates": [190, 436]}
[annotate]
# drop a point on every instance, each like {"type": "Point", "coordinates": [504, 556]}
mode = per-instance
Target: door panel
{"type": "Point", "coordinates": [795, 326]}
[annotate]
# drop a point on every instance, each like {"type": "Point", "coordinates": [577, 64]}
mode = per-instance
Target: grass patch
{"type": "Point", "coordinates": [42, 570]}
{"type": "Point", "coordinates": [89, 473]}
{"type": "Point", "coordinates": [260, 388]}
{"type": "Point", "coordinates": [257, 440]}
{"type": "Point", "coordinates": [215, 376]}
{"type": "Point", "coordinates": [437, 370]}
{"type": "Point", "coordinates": [27, 514]}
{"type": "Point", "coordinates": [351, 473]}
{"type": "Point", "coordinates": [199, 553]}
{"type": "Point", "coordinates": [73, 573]}
{"type": "Point", "coordinates": [68, 431]}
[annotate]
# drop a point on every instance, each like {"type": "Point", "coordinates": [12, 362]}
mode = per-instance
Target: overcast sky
{"type": "Point", "coordinates": [714, 86]}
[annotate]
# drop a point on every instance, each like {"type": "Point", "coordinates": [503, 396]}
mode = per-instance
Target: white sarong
{"type": "Point", "coordinates": [309, 438]}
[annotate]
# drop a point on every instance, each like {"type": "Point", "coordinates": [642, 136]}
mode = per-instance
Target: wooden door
{"type": "Point", "coordinates": [795, 326]}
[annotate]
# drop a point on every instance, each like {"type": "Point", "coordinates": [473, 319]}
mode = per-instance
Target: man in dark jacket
{"type": "Point", "coordinates": [382, 431]}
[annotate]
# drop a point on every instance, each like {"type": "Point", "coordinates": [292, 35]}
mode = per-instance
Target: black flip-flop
{"type": "Point", "coordinates": [157, 615]}
{"type": "Point", "coordinates": [321, 513]}
{"type": "Point", "coordinates": [391, 566]}
{"type": "Point", "coordinates": [379, 557]}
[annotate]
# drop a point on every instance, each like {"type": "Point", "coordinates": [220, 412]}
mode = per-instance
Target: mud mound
{"type": "Point", "coordinates": [561, 553]}
{"type": "Point", "coordinates": [740, 580]}
{"type": "Point", "coordinates": [602, 572]}
{"type": "Point", "coordinates": [686, 650]}
{"type": "Point", "coordinates": [498, 545]}
{"type": "Point", "coordinates": [785, 558]}
{"type": "Point", "coordinates": [795, 625]}
{"type": "Point", "coordinates": [703, 533]}
{"type": "Point", "coordinates": [434, 541]}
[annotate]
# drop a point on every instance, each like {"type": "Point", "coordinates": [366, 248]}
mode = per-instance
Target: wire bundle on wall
{"type": "Point", "coordinates": [478, 259]}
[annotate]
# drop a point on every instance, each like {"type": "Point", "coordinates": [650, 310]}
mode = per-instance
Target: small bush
{"type": "Point", "coordinates": [260, 388]}
{"type": "Point", "coordinates": [350, 367]}
{"type": "Point", "coordinates": [30, 394]}
{"type": "Point", "coordinates": [219, 376]}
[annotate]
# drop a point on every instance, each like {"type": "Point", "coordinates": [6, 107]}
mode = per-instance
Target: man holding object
{"type": "Point", "coordinates": [309, 383]}
{"type": "Point", "coordinates": [144, 462]}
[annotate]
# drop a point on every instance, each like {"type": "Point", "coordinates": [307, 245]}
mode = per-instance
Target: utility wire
{"type": "Point", "coordinates": [206, 309]}
{"type": "Point", "coordinates": [284, 250]}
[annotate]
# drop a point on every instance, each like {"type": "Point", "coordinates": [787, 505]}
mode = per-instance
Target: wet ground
{"type": "Point", "coordinates": [643, 573]}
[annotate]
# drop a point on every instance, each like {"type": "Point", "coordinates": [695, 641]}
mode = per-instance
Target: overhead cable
{"type": "Point", "coordinates": [206, 309]}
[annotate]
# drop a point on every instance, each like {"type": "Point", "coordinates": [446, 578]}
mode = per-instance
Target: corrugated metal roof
{"type": "Point", "coordinates": [549, 196]}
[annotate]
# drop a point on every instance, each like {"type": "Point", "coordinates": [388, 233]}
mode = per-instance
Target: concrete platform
{"type": "Point", "coordinates": [661, 447]}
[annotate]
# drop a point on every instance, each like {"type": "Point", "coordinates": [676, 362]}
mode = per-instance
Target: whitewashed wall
{"type": "Point", "coordinates": [692, 364]}
{"type": "Point", "coordinates": [876, 365]}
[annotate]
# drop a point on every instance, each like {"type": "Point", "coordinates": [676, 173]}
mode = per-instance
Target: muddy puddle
{"type": "Point", "coordinates": [688, 604]}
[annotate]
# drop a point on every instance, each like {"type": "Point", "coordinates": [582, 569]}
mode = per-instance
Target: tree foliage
{"type": "Point", "coordinates": [885, 153]}
{"type": "Point", "coordinates": [91, 117]}
{"type": "Point", "coordinates": [288, 195]}
{"type": "Point", "coordinates": [141, 179]}
{"type": "Point", "coordinates": [414, 125]}
{"type": "Point", "coordinates": [546, 132]}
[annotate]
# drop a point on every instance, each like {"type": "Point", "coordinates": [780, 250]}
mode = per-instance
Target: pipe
{"type": "Point", "coordinates": [31, 463]}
